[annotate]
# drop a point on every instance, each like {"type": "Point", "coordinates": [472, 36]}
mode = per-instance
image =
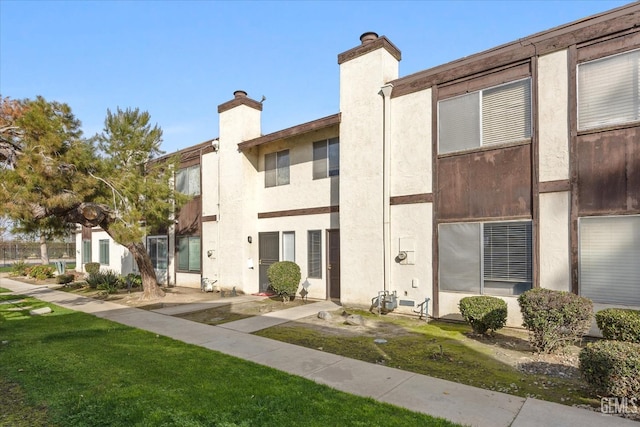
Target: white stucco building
{"type": "Point", "coordinates": [513, 168]}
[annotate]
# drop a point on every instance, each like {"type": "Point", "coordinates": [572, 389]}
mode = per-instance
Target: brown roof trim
{"type": "Point", "coordinates": [380, 42]}
{"type": "Point", "coordinates": [555, 39]}
{"type": "Point", "coordinates": [239, 101]}
{"type": "Point", "coordinates": [325, 122]}
{"type": "Point", "coordinates": [189, 153]}
{"type": "Point", "coordinates": [299, 212]}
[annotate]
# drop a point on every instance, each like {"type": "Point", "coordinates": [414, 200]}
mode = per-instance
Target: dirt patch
{"type": "Point", "coordinates": [237, 311]}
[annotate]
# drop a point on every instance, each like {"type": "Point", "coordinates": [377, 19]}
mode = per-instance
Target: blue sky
{"type": "Point", "coordinates": [179, 60]}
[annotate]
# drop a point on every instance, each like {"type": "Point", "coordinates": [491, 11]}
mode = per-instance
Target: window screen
{"type": "Point", "coordinates": [609, 91]}
{"type": "Point", "coordinates": [609, 259]}
{"type": "Point", "coordinates": [103, 251]}
{"type": "Point", "coordinates": [289, 246]}
{"type": "Point", "coordinates": [459, 257]}
{"type": "Point", "coordinates": [314, 253]}
{"type": "Point", "coordinates": [189, 253]}
{"type": "Point", "coordinates": [276, 168]}
{"type": "Point", "coordinates": [188, 180]}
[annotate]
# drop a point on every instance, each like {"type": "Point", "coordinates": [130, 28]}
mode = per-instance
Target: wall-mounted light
{"type": "Point", "coordinates": [249, 239]}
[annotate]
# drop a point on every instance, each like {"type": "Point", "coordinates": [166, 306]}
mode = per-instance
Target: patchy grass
{"type": "Point", "coordinates": [73, 369]}
{"type": "Point", "coordinates": [444, 350]}
{"type": "Point", "coordinates": [4, 290]}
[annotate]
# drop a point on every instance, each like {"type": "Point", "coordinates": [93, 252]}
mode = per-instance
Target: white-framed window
{"type": "Point", "coordinates": [158, 249]}
{"type": "Point", "coordinates": [289, 246]}
{"type": "Point", "coordinates": [609, 259]}
{"type": "Point", "coordinates": [276, 168]}
{"type": "Point", "coordinates": [103, 250]}
{"type": "Point", "coordinates": [188, 180]}
{"type": "Point", "coordinates": [496, 115]}
{"type": "Point", "coordinates": [609, 91]}
{"type": "Point", "coordinates": [490, 258]}
{"type": "Point", "coordinates": [326, 158]}
{"type": "Point", "coordinates": [86, 251]}
{"type": "Point", "coordinates": [314, 254]}
{"type": "Point", "coordinates": [189, 253]}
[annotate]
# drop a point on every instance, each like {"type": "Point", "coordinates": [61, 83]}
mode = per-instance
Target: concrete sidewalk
{"type": "Point", "coordinates": [456, 402]}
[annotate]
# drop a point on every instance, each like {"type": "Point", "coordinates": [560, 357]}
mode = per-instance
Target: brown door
{"type": "Point", "coordinates": [269, 251]}
{"type": "Point", "coordinates": [333, 263]}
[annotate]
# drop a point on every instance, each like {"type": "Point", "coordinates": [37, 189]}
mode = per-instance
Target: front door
{"type": "Point", "coordinates": [269, 250]}
{"type": "Point", "coordinates": [333, 263]}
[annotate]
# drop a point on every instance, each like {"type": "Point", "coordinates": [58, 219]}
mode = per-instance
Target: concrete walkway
{"type": "Point", "coordinates": [456, 402]}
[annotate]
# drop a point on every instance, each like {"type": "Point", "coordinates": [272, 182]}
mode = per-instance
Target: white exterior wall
{"type": "Point", "coordinates": [300, 225]}
{"type": "Point", "coordinates": [361, 190]}
{"type": "Point", "coordinates": [237, 214]}
{"type": "Point", "coordinates": [120, 260]}
{"type": "Point", "coordinates": [449, 307]}
{"type": "Point", "coordinates": [553, 123]}
{"type": "Point", "coordinates": [555, 250]}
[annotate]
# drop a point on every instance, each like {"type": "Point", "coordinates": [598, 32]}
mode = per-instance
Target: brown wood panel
{"type": "Point", "coordinates": [490, 78]}
{"type": "Point", "coordinates": [86, 232]}
{"type": "Point", "coordinates": [411, 199]}
{"type": "Point", "coordinates": [554, 186]}
{"type": "Point", "coordinates": [209, 218]}
{"type": "Point", "coordinates": [488, 184]}
{"type": "Point", "coordinates": [188, 219]}
{"type": "Point", "coordinates": [626, 41]}
{"type": "Point", "coordinates": [298, 212]}
{"type": "Point", "coordinates": [609, 172]}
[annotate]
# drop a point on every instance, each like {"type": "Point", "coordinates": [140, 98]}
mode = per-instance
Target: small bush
{"type": "Point", "coordinates": [619, 324]}
{"type": "Point", "coordinates": [135, 280]}
{"type": "Point", "coordinates": [108, 281]}
{"type": "Point", "coordinates": [41, 272]}
{"type": "Point", "coordinates": [92, 267]}
{"type": "Point", "coordinates": [612, 368]}
{"type": "Point", "coordinates": [484, 313]}
{"type": "Point", "coordinates": [19, 268]}
{"type": "Point", "coordinates": [63, 279]}
{"type": "Point", "coordinates": [284, 277]}
{"type": "Point", "coordinates": [554, 319]}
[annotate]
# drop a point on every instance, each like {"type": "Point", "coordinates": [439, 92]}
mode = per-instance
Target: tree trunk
{"type": "Point", "coordinates": [44, 253]}
{"type": "Point", "coordinates": [150, 288]}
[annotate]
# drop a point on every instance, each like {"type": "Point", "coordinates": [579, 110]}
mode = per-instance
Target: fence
{"type": "Point", "coordinates": [17, 251]}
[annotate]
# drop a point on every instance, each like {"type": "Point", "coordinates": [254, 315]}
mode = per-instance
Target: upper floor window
{"type": "Point", "coordinates": [276, 168]}
{"type": "Point", "coordinates": [326, 158]}
{"type": "Point", "coordinates": [188, 180]}
{"type": "Point", "coordinates": [495, 115]}
{"type": "Point", "coordinates": [609, 91]}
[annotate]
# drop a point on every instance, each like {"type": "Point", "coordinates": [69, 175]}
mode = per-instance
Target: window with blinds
{"type": "Point", "coordinates": [276, 168]}
{"type": "Point", "coordinates": [609, 91]}
{"type": "Point", "coordinates": [609, 259]}
{"type": "Point", "coordinates": [289, 246]}
{"type": "Point", "coordinates": [103, 251]}
{"type": "Point", "coordinates": [500, 114]}
{"type": "Point", "coordinates": [314, 254]}
{"type": "Point", "coordinates": [492, 258]}
{"type": "Point", "coordinates": [189, 253]}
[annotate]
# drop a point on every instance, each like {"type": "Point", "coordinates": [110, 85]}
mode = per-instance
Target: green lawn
{"type": "Point", "coordinates": [72, 369]}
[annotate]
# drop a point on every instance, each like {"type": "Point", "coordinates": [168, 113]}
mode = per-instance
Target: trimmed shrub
{"type": "Point", "coordinates": [284, 277]}
{"type": "Point", "coordinates": [612, 368]}
{"type": "Point", "coordinates": [41, 272]}
{"type": "Point", "coordinates": [92, 267]}
{"type": "Point", "coordinates": [554, 319]}
{"type": "Point", "coordinates": [484, 313]}
{"type": "Point", "coordinates": [19, 268]}
{"type": "Point", "coordinates": [63, 279]}
{"type": "Point", "coordinates": [619, 324]}
{"type": "Point", "coordinates": [133, 280]}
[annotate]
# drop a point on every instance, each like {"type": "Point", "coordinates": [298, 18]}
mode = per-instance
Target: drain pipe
{"type": "Point", "coordinates": [385, 91]}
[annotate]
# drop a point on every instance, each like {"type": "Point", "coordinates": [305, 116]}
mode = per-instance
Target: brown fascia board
{"type": "Point", "coordinates": [555, 39]}
{"type": "Point", "coordinates": [239, 101]}
{"type": "Point", "coordinates": [187, 153]}
{"type": "Point", "coordinates": [292, 131]}
{"type": "Point", "coordinates": [380, 42]}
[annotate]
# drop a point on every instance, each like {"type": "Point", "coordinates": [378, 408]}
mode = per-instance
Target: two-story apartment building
{"type": "Point", "coordinates": [513, 168]}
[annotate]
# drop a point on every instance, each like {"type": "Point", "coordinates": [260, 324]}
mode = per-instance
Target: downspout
{"type": "Point", "coordinates": [216, 145]}
{"type": "Point", "coordinates": [385, 91]}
